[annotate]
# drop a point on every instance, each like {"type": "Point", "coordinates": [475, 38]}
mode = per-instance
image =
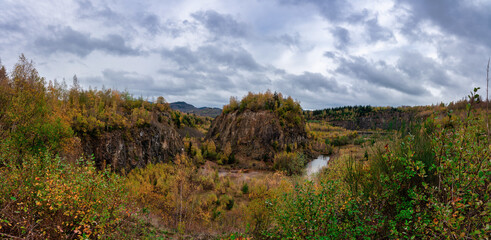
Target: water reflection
{"type": "Point", "coordinates": [317, 164]}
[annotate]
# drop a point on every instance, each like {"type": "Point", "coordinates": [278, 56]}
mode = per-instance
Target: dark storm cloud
{"type": "Point", "coordinates": [87, 10]}
{"type": "Point", "coordinates": [237, 58]}
{"type": "Point", "coordinates": [420, 68]}
{"type": "Point", "coordinates": [329, 54]}
{"type": "Point", "coordinates": [211, 66]}
{"type": "Point", "coordinates": [342, 37]}
{"type": "Point", "coordinates": [289, 40]}
{"type": "Point", "coordinates": [337, 11]}
{"type": "Point", "coordinates": [376, 32]}
{"type": "Point", "coordinates": [217, 68]}
{"type": "Point", "coordinates": [11, 27]}
{"type": "Point", "coordinates": [461, 18]}
{"type": "Point", "coordinates": [211, 56]}
{"type": "Point", "coordinates": [65, 39]}
{"type": "Point", "coordinates": [312, 82]}
{"type": "Point", "coordinates": [139, 84]}
{"type": "Point", "coordinates": [183, 74]}
{"type": "Point", "coordinates": [333, 10]}
{"type": "Point", "coordinates": [14, 19]}
{"type": "Point", "coordinates": [221, 24]}
{"type": "Point", "coordinates": [183, 56]}
{"type": "Point", "coordinates": [150, 22]}
{"type": "Point", "coordinates": [465, 63]}
{"type": "Point", "coordinates": [200, 80]}
{"type": "Point", "coordinates": [131, 23]}
{"type": "Point", "coordinates": [10, 31]}
{"type": "Point", "coordinates": [15, 29]}
{"type": "Point", "coordinates": [155, 25]}
{"type": "Point", "coordinates": [381, 74]}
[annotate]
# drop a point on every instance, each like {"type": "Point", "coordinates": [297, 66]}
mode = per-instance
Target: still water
{"type": "Point", "coordinates": [317, 164]}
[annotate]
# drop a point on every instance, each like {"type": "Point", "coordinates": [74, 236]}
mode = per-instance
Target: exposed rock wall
{"type": "Point", "coordinates": [126, 149]}
{"type": "Point", "coordinates": [255, 134]}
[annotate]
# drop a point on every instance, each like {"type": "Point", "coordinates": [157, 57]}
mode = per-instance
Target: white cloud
{"type": "Point", "coordinates": [323, 53]}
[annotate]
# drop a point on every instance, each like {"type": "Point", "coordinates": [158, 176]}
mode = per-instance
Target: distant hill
{"type": "Point", "coordinates": [182, 106]}
{"type": "Point", "coordinates": [203, 111]}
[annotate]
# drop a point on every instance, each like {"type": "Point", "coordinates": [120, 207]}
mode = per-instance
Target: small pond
{"type": "Point", "coordinates": [316, 165]}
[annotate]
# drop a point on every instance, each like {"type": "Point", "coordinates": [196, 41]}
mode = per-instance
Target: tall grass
{"type": "Point", "coordinates": [432, 183]}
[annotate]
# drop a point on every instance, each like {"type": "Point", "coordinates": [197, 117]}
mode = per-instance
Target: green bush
{"type": "Point", "coordinates": [359, 141]}
{"type": "Point", "coordinates": [245, 188]}
{"type": "Point", "coordinates": [290, 163]}
{"type": "Point", "coordinates": [340, 141]}
{"type": "Point", "coordinates": [227, 201]}
{"type": "Point", "coordinates": [433, 183]}
{"type": "Point", "coordinates": [309, 212]}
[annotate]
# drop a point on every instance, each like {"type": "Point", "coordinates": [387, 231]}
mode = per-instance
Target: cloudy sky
{"type": "Point", "coordinates": [323, 53]}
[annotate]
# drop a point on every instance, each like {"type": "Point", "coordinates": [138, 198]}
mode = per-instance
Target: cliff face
{"type": "Point", "coordinates": [126, 149]}
{"type": "Point", "coordinates": [255, 134]}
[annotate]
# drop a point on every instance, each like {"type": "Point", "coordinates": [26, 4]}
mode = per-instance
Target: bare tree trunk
{"type": "Point", "coordinates": [487, 98]}
{"type": "Point", "coordinates": [180, 207]}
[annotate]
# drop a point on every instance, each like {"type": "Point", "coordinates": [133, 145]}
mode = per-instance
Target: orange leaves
{"type": "Point", "coordinates": [456, 200]}
{"type": "Point", "coordinates": [35, 117]}
{"type": "Point", "coordinates": [95, 111]}
{"type": "Point", "coordinates": [65, 196]}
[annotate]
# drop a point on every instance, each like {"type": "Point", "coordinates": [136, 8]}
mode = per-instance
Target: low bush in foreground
{"type": "Point", "coordinates": [45, 198]}
{"type": "Point", "coordinates": [291, 163]}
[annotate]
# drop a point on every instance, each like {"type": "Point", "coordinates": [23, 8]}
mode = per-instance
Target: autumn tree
{"type": "Point", "coordinates": [28, 122]}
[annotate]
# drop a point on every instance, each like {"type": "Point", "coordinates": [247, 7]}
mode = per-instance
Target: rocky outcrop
{"type": "Point", "coordinates": [256, 134]}
{"type": "Point", "coordinates": [126, 149]}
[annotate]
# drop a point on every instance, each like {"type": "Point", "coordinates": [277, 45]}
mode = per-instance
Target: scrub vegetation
{"type": "Point", "coordinates": [426, 177]}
